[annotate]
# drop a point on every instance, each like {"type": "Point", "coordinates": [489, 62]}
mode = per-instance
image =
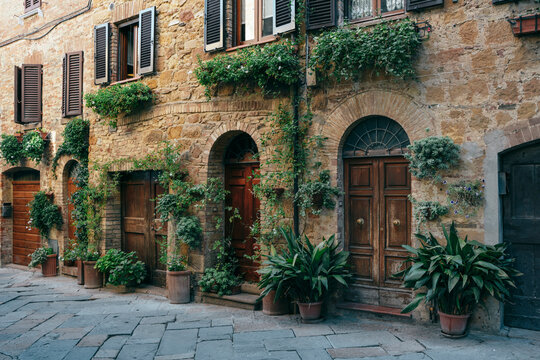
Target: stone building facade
{"type": "Point", "coordinates": [477, 83]}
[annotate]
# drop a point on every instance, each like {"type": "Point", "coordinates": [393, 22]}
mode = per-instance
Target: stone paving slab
{"type": "Point", "coordinates": [178, 342]}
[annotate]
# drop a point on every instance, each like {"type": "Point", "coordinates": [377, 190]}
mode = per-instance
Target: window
{"type": "Point", "coordinates": [31, 5]}
{"type": "Point", "coordinates": [27, 96]}
{"type": "Point", "coordinates": [365, 9]}
{"type": "Point", "coordinates": [72, 84]}
{"type": "Point", "coordinates": [127, 50]}
{"type": "Point", "coordinates": [254, 21]}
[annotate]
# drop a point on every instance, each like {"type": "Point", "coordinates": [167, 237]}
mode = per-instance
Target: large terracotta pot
{"type": "Point", "coordinates": [93, 278]}
{"type": "Point", "coordinates": [80, 272]}
{"type": "Point", "coordinates": [271, 307]}
{"type": "Point", "coordinates": [310, 311]}
{"type": "Point", "coordinates": [48, 268]}
{"type": "Point", "coordinates": [179, 286]}
{"type": "Point", "coordinates": [454, 325]}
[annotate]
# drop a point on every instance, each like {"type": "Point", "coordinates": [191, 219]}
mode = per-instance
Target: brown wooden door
{"type": "Point", "coordinates": [71, 189]}
{"type": "Point", "coordinates": [521, 225]}
{"type": "Point", "coordinates": [25, 239]}
{"type": "Point", "coordinates": [377, 224]}
{"type": "Point", "coordinates": [139, 189]}
{"type": "Point", "coordinates": [239, 182]}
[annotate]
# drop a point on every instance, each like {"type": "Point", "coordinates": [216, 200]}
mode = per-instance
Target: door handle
{"type": "Point", "coordinates": [360, 221]}
{"type": "Point", "coordinates": [396, 222]}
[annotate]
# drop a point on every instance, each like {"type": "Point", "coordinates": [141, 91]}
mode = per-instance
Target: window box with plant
{"type": "Point", "coordinates": [45, 257]}
{"type": "Point", "coordinates": [16, 148]}
{"type": "Point", "coordinates": [456, 277]}
{"type": "Point", "coordinates": [121, 269]}
{"type": "Point", "coordinates": [526, 24]}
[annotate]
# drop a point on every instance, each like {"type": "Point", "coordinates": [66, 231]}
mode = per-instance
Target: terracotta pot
{"type": "Point", "coordinates": [93, 279]}
{"type": "Point", "coordinates": [80, 272]}
{"type": "Point", "coordinates": [310, 311]}
{"type": "Point", "coordinates": [271, 307]}
{"type": "Point", "coordinates": [48, 268]}
{"type": "Point", "coordinates": [526, 24]}
{"type": "Point", "coordinates": [179, 286]}
{"type": "Point", "coordinates": [454, 325]}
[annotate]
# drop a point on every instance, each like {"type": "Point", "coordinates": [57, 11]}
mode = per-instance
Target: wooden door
{"type": "Point", "coordinates": [139, 189]}
{"type": "Point", "coordinates": [71, 189]}
{"type": "Point", "coordinates": [521, 225]}
{"type": "Point", "coordinates": [239, 182]}
{"type": "Point", "coordinates": [377, 224]}
{"type": "Point", "coordinates": [25, 239]}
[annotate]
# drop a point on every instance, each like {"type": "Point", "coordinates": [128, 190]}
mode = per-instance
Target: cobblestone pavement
{"type": "Point", "coordinates": [54, 318]}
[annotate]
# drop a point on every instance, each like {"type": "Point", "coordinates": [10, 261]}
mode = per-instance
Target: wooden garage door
{"type": "Point", "coordinates": [25, 240]}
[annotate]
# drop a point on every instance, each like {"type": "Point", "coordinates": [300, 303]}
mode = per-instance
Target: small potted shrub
{"type": "Point", "coordinates": [457, 277]}
{"type": "Point", "coordinates": [93, 278]}
{"type": "Point", "coordinates": [121, 269]}
{"type": "Point", "coordinates": [306, 272]}
{"type": "Point", "coordinates": [45, 257]}
{"type": "Point", "coordinates": [178, 280]}
{"type": "Point", "coordinates": [33, 146]}
{"type": "Point", "coordinates": [220, 279]}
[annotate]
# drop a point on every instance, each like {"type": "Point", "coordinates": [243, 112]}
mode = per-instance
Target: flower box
{"type": "Point", "coordinates": [525, 24]}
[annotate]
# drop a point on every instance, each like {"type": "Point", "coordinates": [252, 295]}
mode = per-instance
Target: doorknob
{"type": "Point", "coordinates": [360, 221]}
{"type": "Point", "coordinates": [396, 222]}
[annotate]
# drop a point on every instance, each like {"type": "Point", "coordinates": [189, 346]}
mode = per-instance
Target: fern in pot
{"type": "Point", "coordinates": [306, 272]}
{"type": "Point", "coordinates": [457, 276]}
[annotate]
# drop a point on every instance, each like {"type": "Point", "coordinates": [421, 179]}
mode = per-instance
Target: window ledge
{"type": "Point", "coordinates": [234, 48]}
{"type": "Point", "coordinates": [373, 21]}
{"type": "Point", "coordinates": [31, 126]}
{"type": "Point", "coordinates": [126, 81]}
{"type": "Point", "coordinates": [30, 13]}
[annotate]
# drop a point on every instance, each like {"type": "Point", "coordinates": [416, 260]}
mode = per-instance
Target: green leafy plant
{"type": "Point", "coordinates": [189, 231]}
{"type": "Point", "coordinates": [427, 211]}
{"type": "Point", "coordinates": [458, 275]}
{"type": "Point", "coordinates": [465, 197]}
{"type": "Point", "coordinates": [118, 99]}
{"type": "Point", "coordinates": [317, 195]}
{"type": "Point", "coordinates": [174, 261]}
{"type": "Point", "coordinates": [431, 155]}
{"type": "Point", "coordinates": [71, 251]}
{"type": "Point", "coordinates": [220, 279]}
{"type": "Point", "coordinates": [39, 256]}
{"type": "Point", "coordinates": [11, 149]}
{"type": "Point", "coordinates": [91, 254]}
{"type": "Point", "coordinates": [272, 68]}
{"type": "Point", "coordinates": [121, 268]}
{"type": "Point", "coordinates": [44, 214]}
{"type": "Point", "coordinates": [346, 52]}
{"type": "Point", "coordinates": [33, 146]}
{"type": "Point", "coordinates": [76, 142]}
{"type": "Point", "coordinates": [306, 272]}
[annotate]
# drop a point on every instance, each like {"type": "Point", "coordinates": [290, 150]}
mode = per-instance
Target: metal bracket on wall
{"type": "Point", "coordinates": [423, 28]}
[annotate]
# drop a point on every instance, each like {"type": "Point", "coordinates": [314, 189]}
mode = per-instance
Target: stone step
{"type": "Point", "coordinates": [241, 301]}
{"type": "Point", "coordinates": [251, 288]}
{"type": "Point", "coordinates": [372, 309]}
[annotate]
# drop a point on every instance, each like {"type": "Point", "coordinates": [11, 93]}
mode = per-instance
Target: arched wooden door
{"type": "Point", "coordinates": [377, 210]}
{"type": "Point", "coordinates": [240, 166]}
{"type": "Point", "coordinates": [521, 224]}
{"type": "Point", "coordinates": [25, 239]}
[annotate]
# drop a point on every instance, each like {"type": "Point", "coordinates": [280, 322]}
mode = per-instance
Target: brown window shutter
{"type": "Point", "coordinates": [419, 5]}
{"type": "Point", "coordinates": [31, 5]}
{"type": "Point", "coordinates": [214, 20]}
{"type": "Point", "coordinates": [72, 84]}
{"type": "Point", "coordinates": [321, 13]}
{"type": "Point", "coordinates": [31, 93]}
{"type": "Point", "coordinates": [147, 25]}
{"type": "Point", "coordinates": [17, 101]}
{"type": "Point", "coordinates": [101, 54]}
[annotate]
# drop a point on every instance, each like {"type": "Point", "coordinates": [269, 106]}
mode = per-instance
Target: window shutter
{"type": "Point", "coordinates": [284, 19]}
{"type": "Point", "coordinates": [101, 54]}
{"type": "Point", "coordinates": [72, 84]}
{"type": "Point", "coordinates": [31, 5]}
{"type": "Point", "coordinates": [31, 93]}
{"type": "Point", "coordinates": [321, 13]}
{"type": "Point", "coordinates": [419, 5]}
{"type": "Point", "coordinates": [17, 100]}
{"type": "Point", "coordinates": [213, 25]}
{"type": "Point", "coordinates": [147, 24]}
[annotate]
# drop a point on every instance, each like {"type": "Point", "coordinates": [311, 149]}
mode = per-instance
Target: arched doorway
{"type": "Point", "coordinates": [377, 211]}
{"type": "Point", "coordinates": [241, 164]}
{"type": "Point", "coordinates": [25, 239]}
{"type": "Point", "coordinates": [521, 221]}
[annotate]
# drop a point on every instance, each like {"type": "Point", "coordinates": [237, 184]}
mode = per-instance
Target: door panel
{"type": "Point", "coordinates": [377, 224]}
{"type": "Point", "coordinates": [25, 240]}
{"type": "Point", "coordinates": [521, 221]}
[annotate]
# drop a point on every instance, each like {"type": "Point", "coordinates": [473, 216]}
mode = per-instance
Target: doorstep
{"type": "Point", "coordinates": [243, 300]}
{"type": "Point", "coordinates": [373, 309]}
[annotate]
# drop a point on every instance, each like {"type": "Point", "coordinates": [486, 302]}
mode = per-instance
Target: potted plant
{"type": "Point", "coordinates": [222, 278]}
{"type": "Point", "coordinates": [178, 280]}
{"type": "Point", "coordinates": [45, 257]}
{"type": "Point", "coordinates": [306, 272]}
{"type": "Point", "coordinates": [11, 149]}
{"type": "Point", "coordinates": [121, 269]}
{"type": "Point", "coordinates": [456, 277]}
{"type": "Point", "coordinates": [93, 278]}
{"type": "Point", "coordinates": [33, 146]}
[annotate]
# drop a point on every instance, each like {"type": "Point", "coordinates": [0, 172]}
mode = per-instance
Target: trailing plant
{"type": "Point", "coordinates": [345, 53]}
{"type": "Point", "coordinates": [11, 149]}
{"type": "Point", "coordinates": [33, 146]}
{"type": "Point", "coordinates": [173, 260]}
{"type": "Point", "coordinates": [304, 271]}
{"type": "Point", "coordinates": [465, 197]}
{"type": "Point", "coordinates": [44, 214]}
{"type": "Point", "coordinates": [431, 155]}
{"type": "Point", "coordinates": [459, 275]}
{"type": "Point", "coordinates": [71, 251]}
{"type": "Point", "coordinates": [427, 211]}
{"type": "Point", "coordinates": [121, 268]}
{"type": "Point", "coordinates": [222, 277]}
{"type": "Point", "coordinates": [272, 68]}
{"type": "Point", "coordinates": [76, 142]}
{"type": "Point", "coordinates": [118, 99]}
{"type": "Point", "coordinates": [189, 231]}
{"type": "Point", "coordinates": [39, 256]}
{"type": "Point", "coordinates": [316, 195]}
